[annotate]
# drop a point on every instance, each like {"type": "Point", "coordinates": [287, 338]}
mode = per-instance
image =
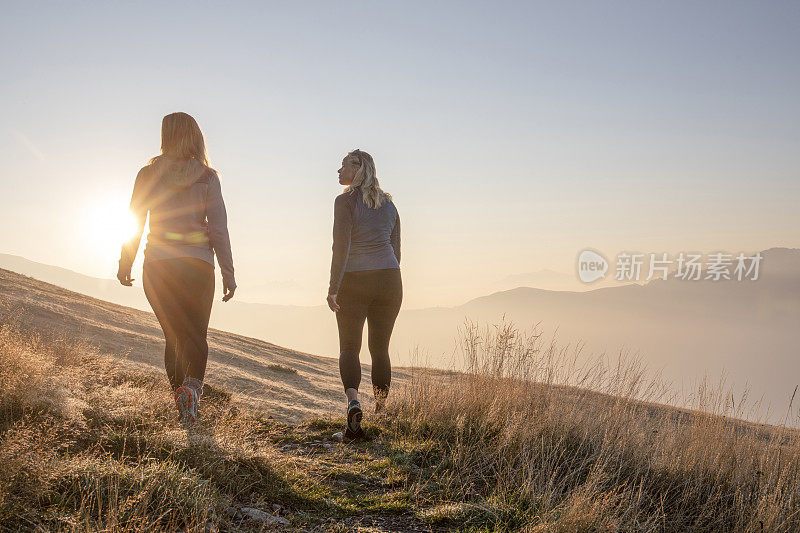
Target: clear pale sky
{"type": "Point", "coordinates": [512, 135]}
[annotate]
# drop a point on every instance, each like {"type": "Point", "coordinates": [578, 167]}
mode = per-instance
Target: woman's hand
{"type": "Point", "coordinates": [227, 289]}
{"type": "Point", "coordinates": [332, 302]}
{"type": "Point", "coordinates": [124, 276]}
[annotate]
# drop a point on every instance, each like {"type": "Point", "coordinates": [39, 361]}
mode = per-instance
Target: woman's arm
{"type": "Point", "coordinates": [342, 229]}
{"type": "Point", "coordinates": [218, 234]}
{"type": "Point", "coordinates": [138, 208]}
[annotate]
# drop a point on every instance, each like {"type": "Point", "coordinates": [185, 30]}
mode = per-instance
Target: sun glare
{"type": "Point", "coordinates": [107, 224]}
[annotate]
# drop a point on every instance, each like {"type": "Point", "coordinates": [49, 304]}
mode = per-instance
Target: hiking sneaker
{"type": "Point", "coordinates": [350, 435]}
{"type": "Point", "coordinates": [354, 416]}
{"type": "Point", "coordinates": [186, 400]}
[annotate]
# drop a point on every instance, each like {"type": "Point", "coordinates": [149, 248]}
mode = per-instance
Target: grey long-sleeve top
{"type": "Point", "coordinates": [187, 216]}
{"type": "Point", "coordinates": [363, 238]}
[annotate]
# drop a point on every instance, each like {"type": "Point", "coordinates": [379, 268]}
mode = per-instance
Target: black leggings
{"type": "Point", "coordinates": [181, 291]}
{"type": "Point", "coordinates": [374, 295]}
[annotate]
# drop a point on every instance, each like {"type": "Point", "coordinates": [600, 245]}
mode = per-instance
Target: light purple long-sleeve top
{"type": "Point", "coordinates": [187, 215]}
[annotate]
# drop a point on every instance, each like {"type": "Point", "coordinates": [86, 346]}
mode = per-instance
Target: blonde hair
{"type": "Point", "coordinates": [181, 138]}
{"type": "Point", "coordinates": [366, 178]}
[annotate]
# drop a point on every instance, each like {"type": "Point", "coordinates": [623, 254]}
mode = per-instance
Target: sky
{"type": "Point", "coordinates": [512, 135]}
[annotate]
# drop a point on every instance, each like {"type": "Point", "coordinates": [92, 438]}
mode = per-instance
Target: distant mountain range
{"type": "Point", "coordinates": [552, 280]}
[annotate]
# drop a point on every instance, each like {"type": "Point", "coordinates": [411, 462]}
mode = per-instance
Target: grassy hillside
{"type": "Point", "coordinates": [525, 440]}
{"type": "Point", "coordinates": [86, 445]}
{"type": "Point", "coordinates": [292, 385]}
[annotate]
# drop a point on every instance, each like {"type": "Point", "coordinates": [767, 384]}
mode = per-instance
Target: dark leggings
{"type": "Point", "coordinates": [181, 291]}
{"type": "Point", "coordinates": [374, 295]}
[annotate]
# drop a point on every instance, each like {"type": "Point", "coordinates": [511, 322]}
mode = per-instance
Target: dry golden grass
{"type": "Point", "coordinates": [514, 438]}
{"type": "Point", "coordinates": [53, 423]}
{"type": "Point", "coordinates": [90, 443]}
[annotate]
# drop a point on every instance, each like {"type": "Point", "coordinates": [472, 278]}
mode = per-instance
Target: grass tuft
{"type": "Point", "coordinates": [275, 367]}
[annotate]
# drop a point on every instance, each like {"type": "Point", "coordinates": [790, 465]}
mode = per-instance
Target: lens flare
{"type": "Point", "coordinates": [107, 224]}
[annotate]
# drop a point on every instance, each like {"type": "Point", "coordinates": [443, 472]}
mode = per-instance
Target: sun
{"type": "Point", "coordinates": [107, 224]}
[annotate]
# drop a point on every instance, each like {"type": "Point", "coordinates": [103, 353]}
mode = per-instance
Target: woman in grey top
{"type": "Point", "coordinates": [365, 281]}
{"type": "Point", "coordinates": [188, 225]}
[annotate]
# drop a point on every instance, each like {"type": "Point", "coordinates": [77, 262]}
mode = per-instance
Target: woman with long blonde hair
{"type": "Point", "coordinates": [188, 226]}
{"type": "Point", "coordinates": [365, 282]}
